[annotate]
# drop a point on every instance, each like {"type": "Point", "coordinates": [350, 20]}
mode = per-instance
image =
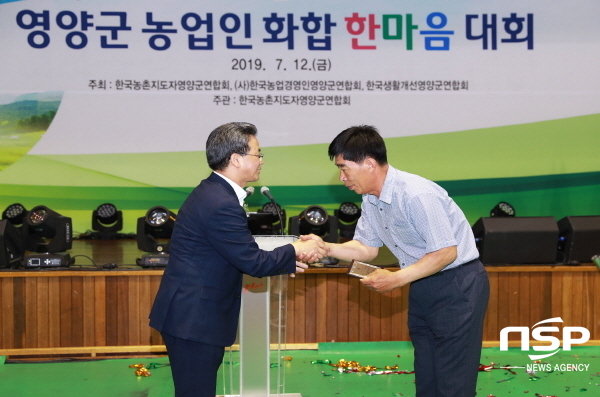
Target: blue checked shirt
{"type": "Point", "coordinates": [412, 217]}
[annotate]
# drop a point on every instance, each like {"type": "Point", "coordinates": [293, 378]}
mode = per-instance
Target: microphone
{"type": "Point", "coordinates": [249, 191]}
{"type": "Point", "coordinates": [265, 190]}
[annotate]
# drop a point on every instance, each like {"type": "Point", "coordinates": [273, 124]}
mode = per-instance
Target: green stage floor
{"type": "Point", "coordinates": [308, 375]}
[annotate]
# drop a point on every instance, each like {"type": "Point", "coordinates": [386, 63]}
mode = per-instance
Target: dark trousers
{"type": "Point", "coordinates": [445, 321]}
{"type": "Point", "coordinates": [194, 366]}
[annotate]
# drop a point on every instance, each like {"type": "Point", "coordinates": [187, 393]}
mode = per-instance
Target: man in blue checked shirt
{"type": "Point", "coordinates": [429, 234]}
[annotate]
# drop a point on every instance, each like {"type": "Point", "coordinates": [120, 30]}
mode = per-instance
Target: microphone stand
{"type": "Point", "coordinates": [266, 192]}
{"type": "Point", "coordinates": [279, 215]}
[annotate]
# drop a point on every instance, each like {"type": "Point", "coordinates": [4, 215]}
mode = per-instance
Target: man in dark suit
{"type": "Point", "coordinates": [197, 305]}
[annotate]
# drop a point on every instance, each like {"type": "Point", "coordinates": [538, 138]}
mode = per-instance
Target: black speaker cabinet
{"type": "Point", "coordinates": [517, 240]}
{"type": "Point", "coordinates": [579, 238]}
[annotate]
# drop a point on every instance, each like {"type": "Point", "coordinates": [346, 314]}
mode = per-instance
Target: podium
{"type": "Point", "coordinates": [262, 326]}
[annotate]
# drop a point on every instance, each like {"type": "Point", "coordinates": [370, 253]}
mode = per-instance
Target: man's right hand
{"type": "Point", "coordinates": [347, 251]}
{"type": "Point", "coordinates": [310, 250]}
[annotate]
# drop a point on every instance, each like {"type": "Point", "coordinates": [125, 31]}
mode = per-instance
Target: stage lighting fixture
{"type": "Point", "coordinates": [48, 234]}
{"type": "Point", "coordinates": [274, 209]}
{"type": "Point", "coordinates": [153, 234]}
{"type": "Point", "coordinates": [15, 214]}
{"type": "Point", "coordinates": [107, 221]}
{"type": "Point", "coordinates": [267, 221]}
{"type": "Point", "coordinates": [11, 245]}
{"type": "Point", "coordinates": [314, 219]}
{"type": "Point", "coordinates": [347, 215]}
{"type": "Point", "coordinates": [502, 209]}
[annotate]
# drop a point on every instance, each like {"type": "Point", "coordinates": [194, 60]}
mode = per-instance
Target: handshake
{"type": "Point", "coordinates": [309, 249]}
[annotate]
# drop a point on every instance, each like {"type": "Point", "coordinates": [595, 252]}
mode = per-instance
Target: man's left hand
{"type": "Point", "coordinates": [382, 280]}
{"type": "Point", "coordinates": [299, 268]}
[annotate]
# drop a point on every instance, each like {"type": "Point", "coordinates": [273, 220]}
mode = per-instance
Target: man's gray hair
{"type": "Point", "coordinates": [226, 140]}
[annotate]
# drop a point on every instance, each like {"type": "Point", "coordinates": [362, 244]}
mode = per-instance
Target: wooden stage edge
{"type": "Point", "coordinates": [112, 351]}
{"type": "Point", "coordinates": [88, 311]}
{"type": "Point", "coordinates": [585, 268]}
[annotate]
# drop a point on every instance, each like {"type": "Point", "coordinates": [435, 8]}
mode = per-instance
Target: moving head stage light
{"type": "Point", "coordinates": [107, 221]}
{"type": "Point", "coordinates": [266, 221]}
{"type": "Point", "coordinates": [15, 214]}
{"type": "Point", "coordinates": [48, 234]}
{"type": "Point", "coordinates": [11, 245]}
{"type": "Point", "coordinates": [314, 219]}
{"type": "Point", "coordinates": [502, 209]}
{"type": "Point", "coordinates": [347, 215]}
{"type": "Point", "coordinates": [156, 225]}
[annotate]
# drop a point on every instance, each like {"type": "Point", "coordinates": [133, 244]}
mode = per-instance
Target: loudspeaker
{"type": "Point", "coordinates": [579, 238]}
{"type": "Point", "coordinates": [518, 240]}
{"type": "Point", "coordinates": [11, 245]}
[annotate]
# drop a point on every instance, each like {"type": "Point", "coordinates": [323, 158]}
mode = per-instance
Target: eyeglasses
{"type": "Point", "coordinates": [260, 156]}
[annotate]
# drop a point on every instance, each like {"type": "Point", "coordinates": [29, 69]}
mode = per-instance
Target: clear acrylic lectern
{"type": "Point", "coordinates": [257, 369]}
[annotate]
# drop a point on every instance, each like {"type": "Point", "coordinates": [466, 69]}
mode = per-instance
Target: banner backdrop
{"type": "Point", "coordinates": [112, 101]}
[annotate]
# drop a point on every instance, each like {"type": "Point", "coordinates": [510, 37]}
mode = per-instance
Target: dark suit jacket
{"type": "Point", "coordinates": [211, 247]}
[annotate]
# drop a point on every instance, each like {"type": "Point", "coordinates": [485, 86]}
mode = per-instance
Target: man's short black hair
{"type": "Point", "coordinates": [357, 143]}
